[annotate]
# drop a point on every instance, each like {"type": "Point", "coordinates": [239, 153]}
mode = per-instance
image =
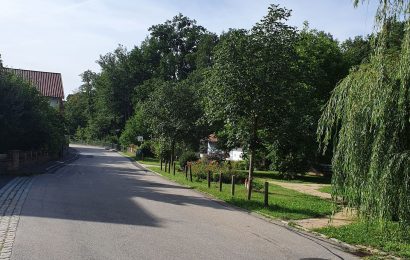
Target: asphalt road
{"type": "Point", "coordinates": [103, 207]}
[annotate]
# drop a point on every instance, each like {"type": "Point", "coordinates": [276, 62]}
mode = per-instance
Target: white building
{"type": "Point", "coordinates": [211, 149]}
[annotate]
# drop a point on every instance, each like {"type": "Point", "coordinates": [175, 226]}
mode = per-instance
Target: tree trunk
{"type": "Point", "coordinates": [252, 148]}
{"type": "Point", "coordinates": [250, 176]}
{"type": "Point", "coordinates": [172, 151]}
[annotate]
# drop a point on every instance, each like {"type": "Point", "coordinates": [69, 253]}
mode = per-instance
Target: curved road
{"type": "Point", "coordinates": [103, 207]}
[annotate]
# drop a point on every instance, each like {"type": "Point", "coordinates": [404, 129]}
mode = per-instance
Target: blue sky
{"type": "Point", "coordinates": [68, 36]}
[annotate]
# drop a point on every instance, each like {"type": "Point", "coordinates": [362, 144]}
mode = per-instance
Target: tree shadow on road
{"type": "Point", "coordinates": [109, 189]}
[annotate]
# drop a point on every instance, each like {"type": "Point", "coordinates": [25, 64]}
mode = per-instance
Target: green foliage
{"type": "Point", "coordinates": [135, 126]}
{"type": "Point", "coordinates": [356, 50]}
{"type": "Point", "coordinates": [393, 239]}
{"type": "Point", "coordinates": [26, 119]}
{"type": "Point", "coordinates": [368, 119]}
{"type": "Point", "coordinates": [260, 89]}
{"type": "Point", "coordinates": [188, 156]}
{"type": "Point", "coordinates": [251, 79]}
{"type": "Point", "coordinates": [147, 149]}
{"type": "Point", "coordinates": [171, 112]}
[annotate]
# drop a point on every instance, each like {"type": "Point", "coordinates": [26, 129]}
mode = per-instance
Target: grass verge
{"type": "Point", "coordinates": [146, 161]}
{"type": "Point", "coordinates": [291, 205]}
{"type": "Point", "coordinates": [298, 178]}
{"type": "Point", "coordinates": [283, 203]}
{"type": "Point", "coordinates": [326, 189]}
{"type": "Point", "coordinates": [390, 239]}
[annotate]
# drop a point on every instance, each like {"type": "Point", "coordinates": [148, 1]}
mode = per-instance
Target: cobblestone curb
{"type": "Point", "coordinates": [12, 197]}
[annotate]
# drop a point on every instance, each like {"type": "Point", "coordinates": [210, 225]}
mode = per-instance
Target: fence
{"type": "Point", "coordinates": [16, 159]}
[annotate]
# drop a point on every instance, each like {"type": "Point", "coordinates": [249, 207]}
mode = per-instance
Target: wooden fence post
{"type": "Point", "coordinates": [208, 178]}
{"type": "Point", "coordinates": [233, 186]}
{"type": "Point", "coordinates": [266, 202]}
{"type": "Point", "coordinates": [190, 173]}
{"type": "Point", "coordinates": [220, 181]}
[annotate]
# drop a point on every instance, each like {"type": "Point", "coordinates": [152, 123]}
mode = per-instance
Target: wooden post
{"type": "Point", "coordinates": [174, 167]}
{"type": "Point", "coordinates": [266, 202]}
{"type": "Point", "coordinates": [186, 171]}
{"type": "Point", "coordinates": [208, 178]}
{"type": "Point", "coordinates": [190, 173]}
{"type": "Point", "coordinates": [161, 163]}
{"type": "Point", "coordinates": [220, 181]}
{"type": "Point", "coordinates": [233, 186]}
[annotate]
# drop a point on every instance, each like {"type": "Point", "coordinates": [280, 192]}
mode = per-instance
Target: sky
{"type": "Point", "coordinates": [68, 36]}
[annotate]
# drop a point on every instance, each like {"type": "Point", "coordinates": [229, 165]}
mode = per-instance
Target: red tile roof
{"type": "Point", "coordinates": [49, 84]}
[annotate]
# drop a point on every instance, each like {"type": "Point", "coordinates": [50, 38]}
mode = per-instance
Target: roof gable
{"type": "Point", "coordinates": [49, 84]}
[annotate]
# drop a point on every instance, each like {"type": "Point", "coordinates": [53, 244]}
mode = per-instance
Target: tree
{"type": "Point", "coordinates": [171, 112]}
{"type": "Point", "coordinates": [292, 148]}
{"type": "Point", "coordinates": [356, 50]}
{"type": "Point", "coordinates": [368, 119]}
{"type": "Point", "coordinates": [177, 42]}
{"type": "Point", "coordinates": [26, 119]}
{"type": "Point", "coordinates": [251, 79]}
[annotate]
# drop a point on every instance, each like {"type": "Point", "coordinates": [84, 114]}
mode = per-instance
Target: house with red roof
{"type": "Point", "coordinates": [49, 84]}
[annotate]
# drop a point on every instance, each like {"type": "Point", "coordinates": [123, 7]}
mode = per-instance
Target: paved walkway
{"type": "Point", "coordinates": [103, 207]}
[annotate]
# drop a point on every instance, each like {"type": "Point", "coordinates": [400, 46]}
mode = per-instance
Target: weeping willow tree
{"type": "Point", "coordinates": [367, 120]}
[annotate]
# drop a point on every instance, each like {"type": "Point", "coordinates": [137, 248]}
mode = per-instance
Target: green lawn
{"type": "Point", "coordinates": [298, 178]}
{"type": "Point", "coordinates": [284, 203]}
{"type": "Point", "coordinates": [326, 189]}
{"type": "Point", "coordinates": [146, 161]}
{"type": "Point", "coordinates": [389, 240]}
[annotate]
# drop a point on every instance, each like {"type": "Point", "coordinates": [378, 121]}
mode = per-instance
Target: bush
{"type": "Point", "coordinates": [186, 157]}
{"type": "Point", "coordinates": [146, 149]}
{"type": "Point", "coordinates": [200, 169]}
{"type": "Point", "coordinates": [239, 165]}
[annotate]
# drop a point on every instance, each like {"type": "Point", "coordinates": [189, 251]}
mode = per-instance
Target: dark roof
{"type": "Point", "coordinates": [49, 84]}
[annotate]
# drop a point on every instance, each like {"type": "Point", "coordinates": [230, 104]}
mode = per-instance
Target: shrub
{"type": "Point", "coordinates": [186, 157]}
{"type": "Point", "coordinates": [239, 165]}
{"type": "Point", "coordinates": [146, 149]}
{"type": "Point", "coordinates": [200, 169]}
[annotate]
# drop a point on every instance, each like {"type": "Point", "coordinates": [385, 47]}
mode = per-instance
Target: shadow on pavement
{"type": "Point", "coordinates": [104, 187]}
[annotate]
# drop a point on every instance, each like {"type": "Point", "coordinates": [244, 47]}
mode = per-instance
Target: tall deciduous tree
{"type": "Point", "coordinates": [251, 78]}
{"type": "Point", "coordinates": [171, 112]}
